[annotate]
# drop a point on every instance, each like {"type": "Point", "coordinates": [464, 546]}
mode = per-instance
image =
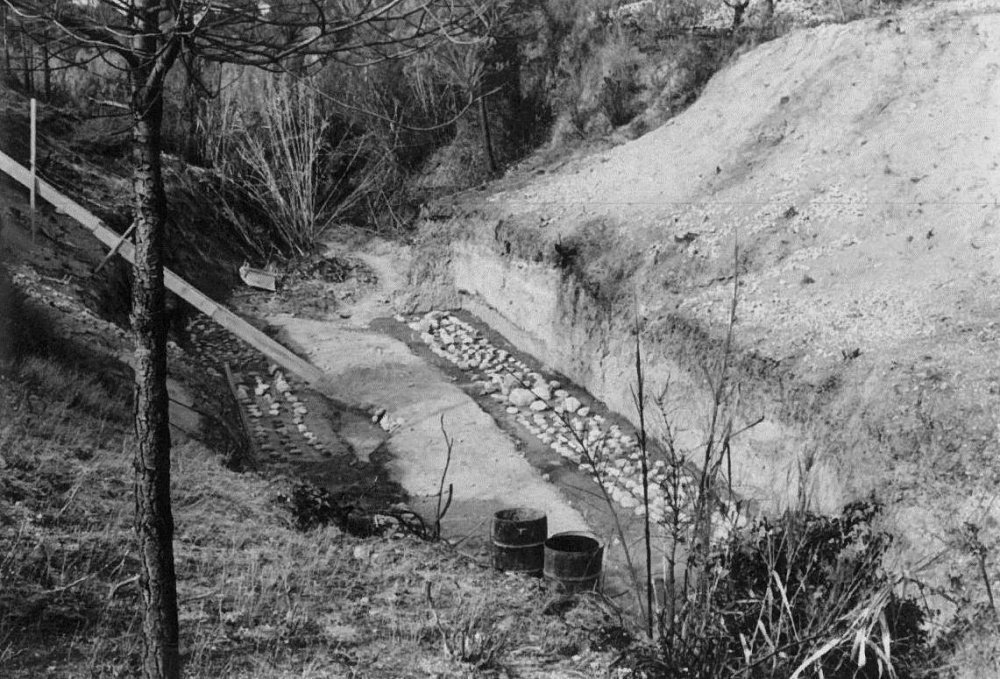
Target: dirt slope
{"type": "Point", "coordinates": [864, 155]}
{"type": "Point", "coordinates": [856, 166]}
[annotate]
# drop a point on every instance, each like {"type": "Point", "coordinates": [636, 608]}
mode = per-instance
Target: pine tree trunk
{"type": "Point", "coordinates": [153, 515]}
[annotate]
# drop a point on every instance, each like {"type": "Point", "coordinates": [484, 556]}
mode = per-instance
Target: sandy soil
{"type": "Point", "coordinates": [371, 369]}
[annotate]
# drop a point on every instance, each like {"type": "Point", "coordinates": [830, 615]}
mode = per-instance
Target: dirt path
{"type": "Point", "coordinates": [369, 369]}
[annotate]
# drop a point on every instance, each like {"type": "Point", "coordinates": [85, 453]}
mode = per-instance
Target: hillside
{"type": "Point", "coordinates": [852, 169]}
{"type": "Point", "coordinates": [839, 182]}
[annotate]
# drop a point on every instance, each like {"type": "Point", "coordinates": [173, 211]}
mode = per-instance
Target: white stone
{"type": "Point", "coordinates": [521, 397]}
{"type": "Point", "coordinates": [583, 412]}
{"type": "Point", "coordinates": [509, 383]}
{"type": "Point", "coordinates": [628, 501]}
{"type": "Point", "coordinates": [542, 391]}
{"type": "Point", "coordinates": [572, 404]}
{"type": "Point", "coordinates": [539, 406]}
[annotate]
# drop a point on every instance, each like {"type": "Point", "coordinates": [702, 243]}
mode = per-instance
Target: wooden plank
{"type": "Point", "coordinates": [247, 429]}
{"type": "Point", "coordinates": [224, 317]}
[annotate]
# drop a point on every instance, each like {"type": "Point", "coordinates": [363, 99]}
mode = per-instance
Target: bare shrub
{"type": "Point", "coordinates": [285, 154]}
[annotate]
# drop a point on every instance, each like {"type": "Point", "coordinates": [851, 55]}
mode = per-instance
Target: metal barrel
{"type": "Point", "coordinates": [518, 538]}
{"type": "Point", "coordinates": [573, 562]}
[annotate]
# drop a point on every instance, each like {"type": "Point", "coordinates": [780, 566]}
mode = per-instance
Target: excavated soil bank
{"type": "Point", "coordinates": [845, 173]}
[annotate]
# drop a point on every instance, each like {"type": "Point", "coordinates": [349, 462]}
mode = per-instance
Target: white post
{"type": "Point", "coordinates": [34, 171]}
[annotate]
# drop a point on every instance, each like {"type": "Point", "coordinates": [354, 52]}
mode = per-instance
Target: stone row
{"type": "Point", "coordinates": [269, 399]}
{"type": "Point", "coordinates": [213, 345]}
{"type": "Point", "coordinates": [271, 394]}
{"type": "Point", "coordinates": [563, 421]}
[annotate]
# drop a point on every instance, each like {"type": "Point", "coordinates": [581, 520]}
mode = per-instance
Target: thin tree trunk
{"type": "Point", "coordinates": [768, 10]}
{"type": "Point", "coordinates": [153, 516]}
{"type": "Point", "coordinates": [484, 122]}
{"type": "Point", "coordinates": [191, 145]}
{"type": "Point", "coordinates": [6, 43]}
{"type": "Point", "coordinates": [47, 70]}
{"type": "Point", "coordinates": [27, 54]}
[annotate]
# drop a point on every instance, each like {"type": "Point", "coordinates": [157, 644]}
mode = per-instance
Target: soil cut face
{"type": "Point", "coordinates": [847, 176]}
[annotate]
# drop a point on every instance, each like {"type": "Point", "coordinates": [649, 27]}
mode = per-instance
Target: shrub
{"type": "Point", "coordinates": [800, 595]}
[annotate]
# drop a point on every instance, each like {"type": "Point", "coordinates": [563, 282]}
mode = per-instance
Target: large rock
{"type": "Point", "coordinates": [522, 398]}
{"type": "Point", "coordinates": [571, 404]}
{"type": "Point", "coordinates": [542, 391]}
{"type": "Point", "coordinates": [509, 383]}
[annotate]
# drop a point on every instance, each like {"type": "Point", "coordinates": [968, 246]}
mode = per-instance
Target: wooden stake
{"type": "Point", "coordinates": [114, 249]}
{"type": "Point", "coordinates": [33, 189]}
{"type": "Point", "coordinates": [247, 429]}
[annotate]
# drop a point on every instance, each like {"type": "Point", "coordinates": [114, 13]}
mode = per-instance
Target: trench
{"type": "Point", "coordinates": [547, 315]}
{"type": "Point", "coordinates": [342, 436]}
{"type": "Point", "coordinates": [345, 448]}
{"type": "Point", "coordinates": [544, 436]}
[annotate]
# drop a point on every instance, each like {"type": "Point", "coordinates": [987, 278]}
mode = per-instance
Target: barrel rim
{"type": "Point", "coordinates": [518, 515]}
{"type": "Point", "coordinates": [519, 545]}
{"type": "Point", "coordinates": [555, 539]}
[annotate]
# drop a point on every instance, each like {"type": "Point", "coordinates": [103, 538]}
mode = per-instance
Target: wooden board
{"type": "Point", "coordinates": [224, 317]}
